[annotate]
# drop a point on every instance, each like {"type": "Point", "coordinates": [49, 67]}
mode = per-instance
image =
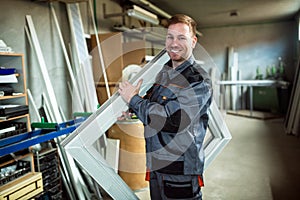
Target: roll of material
{"type": "Point", "coordinates": [132, 162]}
{"type": "Point", "coordinates": [130, 71]}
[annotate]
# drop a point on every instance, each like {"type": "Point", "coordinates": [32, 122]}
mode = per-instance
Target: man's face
{"type": "Point", "coordinates": [180, 42]}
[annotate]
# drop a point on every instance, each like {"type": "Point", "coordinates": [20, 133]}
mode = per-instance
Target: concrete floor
{"type": "Point", "coordinates": [261, 162]}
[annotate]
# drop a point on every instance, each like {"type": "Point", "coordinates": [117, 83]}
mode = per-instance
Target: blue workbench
{"type": "Point", "coordinates": [40, 134]}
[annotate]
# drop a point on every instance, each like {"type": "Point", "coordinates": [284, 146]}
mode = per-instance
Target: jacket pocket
{"type": "Point", "coordinates": [166, 95]}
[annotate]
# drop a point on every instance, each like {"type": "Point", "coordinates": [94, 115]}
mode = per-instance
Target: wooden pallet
{"type": "Point", "coordinates": [24, 187]}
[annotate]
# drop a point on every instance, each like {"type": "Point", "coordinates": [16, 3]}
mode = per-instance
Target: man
{"type": "Point", "coordinates": [174, 114]}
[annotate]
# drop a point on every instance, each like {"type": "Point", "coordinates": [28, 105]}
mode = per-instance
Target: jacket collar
{"type": "Point", "coordinates": [184, 65]}
{"type": "Point", "coordinates": [169, 69]}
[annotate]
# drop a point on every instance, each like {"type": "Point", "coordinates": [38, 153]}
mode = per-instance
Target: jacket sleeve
{"type": "Point", "coordinates": [175, 108]}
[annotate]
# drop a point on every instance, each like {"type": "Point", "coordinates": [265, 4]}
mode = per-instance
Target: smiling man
{"type": "Point", "coordinates": [180, 42]}
{"type": "Point", "coordinates": [175, 118]}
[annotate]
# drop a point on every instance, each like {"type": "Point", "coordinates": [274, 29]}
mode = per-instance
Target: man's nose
{"type": "Point", "coordinates": [175, 41]}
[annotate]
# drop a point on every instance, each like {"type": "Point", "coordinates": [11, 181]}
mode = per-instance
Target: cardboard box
{"type": "Point", "coordinates": [134, 53]}
{"type": "Point", "coordinates": [102, 93]}
{"type": "Point", "coordinates": [112, 54]}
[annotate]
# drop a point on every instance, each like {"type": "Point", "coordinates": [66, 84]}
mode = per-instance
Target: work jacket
{"type": "Point", "coordinates": [175, 118]}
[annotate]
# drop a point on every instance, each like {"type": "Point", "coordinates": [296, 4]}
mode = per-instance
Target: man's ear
{"type": "Point", "coordinates": [194, 41]}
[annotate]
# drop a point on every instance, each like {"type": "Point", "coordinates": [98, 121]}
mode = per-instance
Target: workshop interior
{"type": "Point", "coordinates": [61, 62]}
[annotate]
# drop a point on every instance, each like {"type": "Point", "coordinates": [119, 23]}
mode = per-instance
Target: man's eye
{"type": "Point", "coordinates": [182, 38]}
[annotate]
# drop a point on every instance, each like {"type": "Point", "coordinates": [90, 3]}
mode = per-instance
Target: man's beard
{"type": "Point", "coordinates": [175, 56]}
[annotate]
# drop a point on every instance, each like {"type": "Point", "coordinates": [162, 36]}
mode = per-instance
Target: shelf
{"type": "Point", "coordinates": [19, 95]}
{"type": "Point", "coordinates": [10, 54]}
{"type": "Point", "coordinates": [12, 96]}
{"type": "Point", "coordinates": [16, 74]}
{"type": "Point", "coordinates": [14, 118]}
{"type": "Point", "coordinates": [16, 158]}
{"type": "Point", "coordinates": [23, 184]}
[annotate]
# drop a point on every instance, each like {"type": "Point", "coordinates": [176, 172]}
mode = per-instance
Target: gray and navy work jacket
{"type": "Point", "coordinates": [175, 118]}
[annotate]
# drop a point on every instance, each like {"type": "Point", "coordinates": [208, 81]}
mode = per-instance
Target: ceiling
{"type": "Point", "coordinates": [215, 13]}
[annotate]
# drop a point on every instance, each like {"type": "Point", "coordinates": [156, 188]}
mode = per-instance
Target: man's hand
{"type": "Point", "coordinates": [125, 116]}
{"type": "Point", "coordinates": [127, 90]}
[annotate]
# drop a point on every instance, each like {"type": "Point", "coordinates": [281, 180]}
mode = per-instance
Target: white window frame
{"type": "Point", "coordinates": [79, 144]}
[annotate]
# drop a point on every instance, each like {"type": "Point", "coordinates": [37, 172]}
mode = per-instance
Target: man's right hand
{"type": "Point", "coordinates": [127, 90]}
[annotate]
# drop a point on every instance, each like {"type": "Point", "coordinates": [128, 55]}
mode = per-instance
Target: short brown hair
{"type": "Point", "coordinates": [181, 18]}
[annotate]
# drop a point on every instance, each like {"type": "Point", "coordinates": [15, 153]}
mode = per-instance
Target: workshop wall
{"type": "Point", "coordinates": [12, 32]}
{"type": "Point", "coordinates": [257, 45]}
{"type": "Point", "coordinates": [13, 21]}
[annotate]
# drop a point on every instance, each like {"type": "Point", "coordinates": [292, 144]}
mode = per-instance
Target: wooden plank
{"type": "Point", "coordinates": [14, 118]}
{"type": "Point", "coordinates": [12, 97]}
{"type": "Point", "coordinates": [32, 194]}
{"type": "Point", "coordinates": [24, 191]}
{"type": "Point", "coordinates": [11, 54]}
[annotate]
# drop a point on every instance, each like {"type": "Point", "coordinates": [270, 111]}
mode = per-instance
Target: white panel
{"type": "Point", "coordinates": [44, 68]}
{"type": "Point", "coordinates": [84, 71]}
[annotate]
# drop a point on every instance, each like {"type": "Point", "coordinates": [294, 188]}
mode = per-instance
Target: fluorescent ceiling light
{"type": "Point", "coordinates": [142, 14]}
